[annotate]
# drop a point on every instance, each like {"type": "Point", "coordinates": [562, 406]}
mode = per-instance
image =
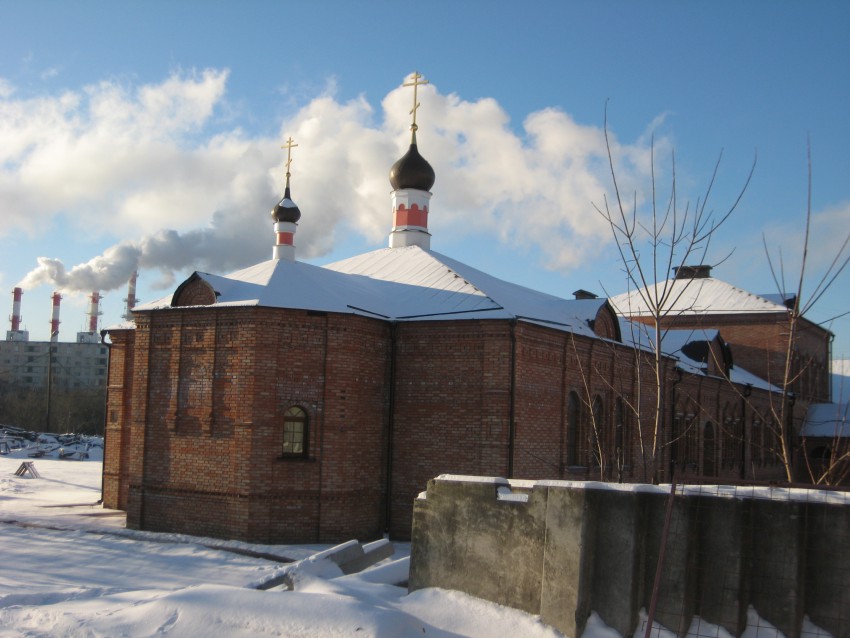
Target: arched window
{"type": "Point", "coordinates": [772, 444]}
{"type": "Point", "coordinates": [689, 461]}
{"type": "Point", "coordinates": [622, 438]}
{"type": "Point", "coordinates": [294, 432]}
{"type": "Point", "coordinates": [757, 443]}
{"type": "Point", "coordinates": [677, 445]}
{"type": "Point", "coordinates": [727, 437]}
{"type": "Point", "coordinates": [820, 458]}
{"type": "Point", "coordinates": [709, 449]}
{"type": "Point", "coordinates": [573, 416]}
{"type": "Point", "coordinates": [597, 432]}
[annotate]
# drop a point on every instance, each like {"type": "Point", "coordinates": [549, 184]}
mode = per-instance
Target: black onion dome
{"type": "Point", "coordinates": [412, 171]}
{"type": "Point", "coordinates": [286, 210]}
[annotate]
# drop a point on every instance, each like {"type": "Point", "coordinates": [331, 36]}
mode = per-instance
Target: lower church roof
{"type": "Point", "coordinates": [398, 284]}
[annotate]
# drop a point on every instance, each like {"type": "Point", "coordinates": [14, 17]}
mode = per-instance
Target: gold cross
{"type": "Point", "coordinates": [288, 146]}
{"type": "Point", "coordinates": [415, 84]}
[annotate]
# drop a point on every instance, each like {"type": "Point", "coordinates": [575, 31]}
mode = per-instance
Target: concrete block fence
{"type": "Point", "coordinates": [563, 549]}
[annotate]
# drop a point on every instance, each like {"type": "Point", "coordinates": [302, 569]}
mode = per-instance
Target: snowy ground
{"type": "Point", "coordinates": [70, 568]}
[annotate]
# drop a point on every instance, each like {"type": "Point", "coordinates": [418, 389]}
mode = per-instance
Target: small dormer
{"type": "Point", "coordinates": [194, 292]}
{"type": "Point", "coordinates": [714, 353]}
{"type": "Point", "coordinates": [605, 323]}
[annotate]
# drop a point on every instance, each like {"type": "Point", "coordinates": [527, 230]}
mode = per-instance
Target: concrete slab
{"type": "Point", "coordinates": [567, 563]}
{"type": "Point", "coordinates": [618, 528]}
{"type": "Point", "coordinates": [827, 568]}
{"type": "Point", "coordinates": [721, 524]}
{"type": "Point", "coordinates": [778, 564]}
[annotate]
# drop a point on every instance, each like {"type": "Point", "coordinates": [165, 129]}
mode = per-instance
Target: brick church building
{"type": "Point", "coordinates": [288, 402]}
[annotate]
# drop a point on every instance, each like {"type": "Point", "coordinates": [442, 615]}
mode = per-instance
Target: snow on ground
{"type": "Point", "coordinates": [70, 568]}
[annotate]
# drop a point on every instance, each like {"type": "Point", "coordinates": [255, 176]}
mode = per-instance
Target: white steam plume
{"type": "Point", "coordinates": [157, 160]}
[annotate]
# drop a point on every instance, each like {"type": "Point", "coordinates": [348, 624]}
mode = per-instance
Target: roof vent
{"type": "Point", "coordinates": [702, 271]}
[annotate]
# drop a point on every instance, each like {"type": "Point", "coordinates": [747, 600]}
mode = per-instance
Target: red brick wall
{"type": "Point", "coordinates": [700, 401]}
{"type": "Point", "coordinates": [451, 406]}
{"type": "Point", "coordinates": [550, 366]}
{"type": "Point", "coordinates": [760, 342]}
{"type": "Point", "coordinates": [200, 395]}
{"type": "Point", "coordinates": [118, 445]}
{"type": "Point", "coordinates": [210, 411]}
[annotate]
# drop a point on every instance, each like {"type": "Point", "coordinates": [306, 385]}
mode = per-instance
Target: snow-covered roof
{"type": "Point", "coordinates": [744, 377]}
{"type": "Point", "coordinates": [828, 420]}
{"type": "Point", "coordinates": [782, 298]}
{"type": "Point", "coordinates": [672, 340]}
{"type": "Point", "coordinates": [675, 342]}
{"type": "Point", "coordinates": [122, 325]}
{"type": "Point", "coordinates": [401, 284]}
{"type": "Point", "coordinates": [696, 297]}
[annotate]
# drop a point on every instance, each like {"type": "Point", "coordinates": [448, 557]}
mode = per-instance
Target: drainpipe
{"type": "Point", "coordinates": [103, 334]}
{"type": "Point", "coordinates": [388, 486]}
{"type": "Point", "coordinates": [829, 341]}
{"type": "Point", "coordinates": [511, 424]}
{"type": "Point", "coordinates": [321, 433]}
{"type": "Point", "coordinates": [748, 390]}
{"type": "Point", "coordinates": [565, 424]}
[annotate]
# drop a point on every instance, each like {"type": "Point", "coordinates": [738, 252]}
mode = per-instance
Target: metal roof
{"type": "Point", "coordinates": [829, 420]}
{"type": "Point", "coordinates": [695, 297]}
{"type": "Point", "coordinates": [401, 284]}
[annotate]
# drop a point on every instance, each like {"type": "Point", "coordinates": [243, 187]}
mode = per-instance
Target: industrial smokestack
{"type": "Point", "coordinates": [131, 297]}
{"type": "Point", "coordinates": [16, 334]}
{"type": "Point", "coordinates": [17, 293]}
{"type": "Point", "coordinates": [54, 321]}
{"type": "Point", "coordinates": [94, 311]}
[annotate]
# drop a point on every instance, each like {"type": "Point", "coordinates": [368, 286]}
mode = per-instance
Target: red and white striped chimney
{"type": "Point", "coordinates": [17, 293]}
{"type": "Point", "coordinates": [54, 321]}
{"type": "Point", "coordinates": [94, 310]}
{"type": "Point", "coordinates": [130, 301]}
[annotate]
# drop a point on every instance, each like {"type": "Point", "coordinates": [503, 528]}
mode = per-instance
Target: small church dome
{"type": "Point", "coordinates": [412, 171]}
{"type": "Point", "coordinates": [286, 210]}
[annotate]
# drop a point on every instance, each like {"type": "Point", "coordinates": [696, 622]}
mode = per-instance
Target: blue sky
{"type": "Point", "coordinates": [151, 132]}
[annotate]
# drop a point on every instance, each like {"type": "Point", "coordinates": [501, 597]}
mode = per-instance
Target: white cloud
{"type": "Point", "coordinates": [828, 230]}
{"type": "Point", "coordinates": [153, 164]}
{"type": "Point", "coordinates": [91, 154]}
{"type": "Point", "coordinates": [6, 88]}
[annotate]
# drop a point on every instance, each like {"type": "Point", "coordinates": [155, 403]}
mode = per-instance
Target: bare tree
{"type": "Point", "coordinates": [836, 467]}
{"type": "Point", "coordinates": [671, 235]}
{"type": "Point", "coordinates": [594, 435]}
{"type": "Point", "coordinates": [827, 455]}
